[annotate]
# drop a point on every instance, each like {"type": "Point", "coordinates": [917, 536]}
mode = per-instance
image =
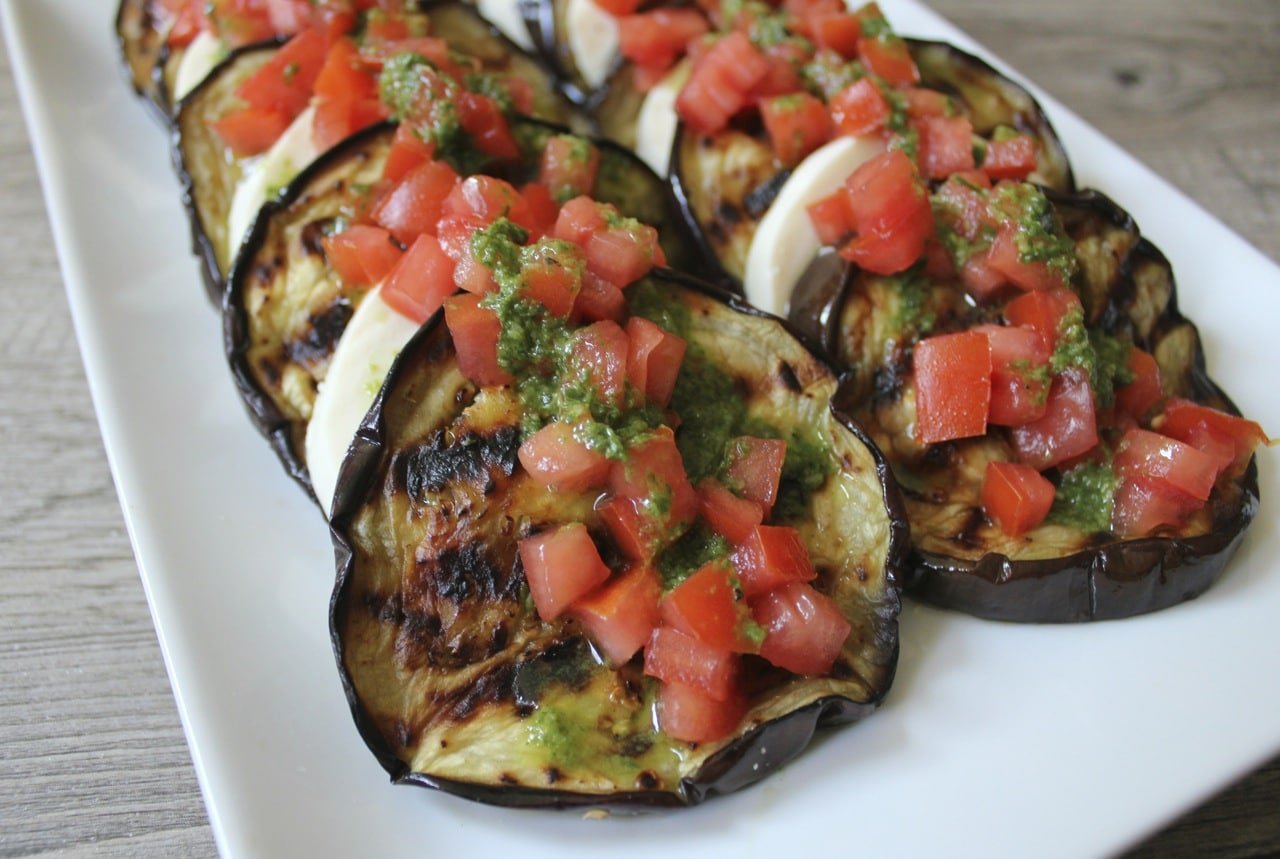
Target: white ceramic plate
{"type": "Point", "coordinates": [996, 740]}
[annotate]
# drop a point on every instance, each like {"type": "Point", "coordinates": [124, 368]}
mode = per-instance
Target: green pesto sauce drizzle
{"type": "Point", "coordinates": [1085, 498]}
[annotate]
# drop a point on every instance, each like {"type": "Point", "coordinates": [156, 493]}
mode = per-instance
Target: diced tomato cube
{"type": "Point", "coordinates": [618, 7]}
{"type": "Point", "coordinates": [1137, 397]}
{"type": "Point", "coordinates": [1016, 497]}
{"type": "Point", "coordinates": [654, 467]}
{"type": "Point", "coordinates": [1014, 158]}
{"type": "Point", "coordinates": [343, 76]}
{"type": "Point", "coordinates": [543, 209]}
{"type": "Point", "coordinates": [637, 534]}
{"type": "Point", "coordinates": [186, 25]}
{"type": "Point", "coordinates": [285, 81]}
{"type": "Point", "coordinates": [482, 119]}
{"type": "Point", "coordinates": [836, 31]}
{"type": "Point", "coordinates": [726, 513]}
{"type": "Point", "coordinates": [1004, 257]}
{"type": "Point", "coordinates": [362, 255]}
{"type": "Point", "coordinates": [771, 556]}
{"type": "Point", "coordinates": [653, 360]}
{"type": "Point", "coordinates": [755, 468]}
{"type": "Point", "coordinates": [408, 151]}
{"type": "Point", "coordinates": [251, 130]}
{"type": "Point", "coordinates": [1184, 420]}
{"type": "Point", "coordinates": [414, 205]}
{"type": "Point", "coordinates": [561, 566]}
{"type": "Point", "coordinates": [288, 16]}
{"type": "Point", "coordinates": [926, 102]}
{"type": "Point", "coordinates": [946, 145]}
{"type": "Point", "coordinates": [953, 386]}
{"type": "Point", "coordinates": [658, 37]}
{"type": "Point", "coordinates": [481, 200]}
{"type": "Point", "coordinates": [579, 220]}
{"type": "Point", "coordinates": [1068, 429]}
{"type": "Point", "coordinates": [890, 210]}
{"type": "Point", "coordinates": [719, 83]}
{"type": "Point", "coordinates": [1019, 374]}
{"type": "Point", "coordinates": [421, 280]}
{"type": "Point", "coordinates": [1141, 506]}
{"type": "Point", "coordinates": [889, 58]}
{"type": "Point", "coordinates": [598, 299]}
{"type": "Point", "coordinates": [677, 657]}
{"type": "Point", "coordinates": [831, 218]}
{"type": "Point", "coordinates": [475, 331]}
{"type": "Point", "coordinates": [550, 277]}
{"type": "Point", "coordinates": [710, 606]}
{"type": "Point", "coordinates": [687, 713]}
{"type": "Point", "coordinates": [805, 630]}
{"type": "Point", "coordinates": [621, 615]}
{"type": "Point", "coordinates": [621, 256]}
{"type": "Point", "coordinates": [1042, 312]}
{"type": "Point", "coordinates": [600, 352]}
{"type": "Point", "coordinates": [1161, 460]}
{"type": "Point", "coordinates": [797, 122]}
{"type": "Point", "coordinates": [860, 108]}
{"type": "Point", "coordinates": [784, 59]}
{"type": "Point", "coordinates": [553, 457]}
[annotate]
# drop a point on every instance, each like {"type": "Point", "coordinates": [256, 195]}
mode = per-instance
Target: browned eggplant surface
{"type": "Point", "coordinates": [453, 679]}
{"type": "Point", "coordinates": [286, 307]}
{"type": "Point", "coordinates": [1056, 572]}
{"type": "Point", "coordinates": [727, 181]}
{"type": "Point", "coordinates": [210, 172]}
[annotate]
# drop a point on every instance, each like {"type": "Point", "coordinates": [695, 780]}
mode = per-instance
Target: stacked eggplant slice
{"type": "Point", "coordinates": [503, 285]}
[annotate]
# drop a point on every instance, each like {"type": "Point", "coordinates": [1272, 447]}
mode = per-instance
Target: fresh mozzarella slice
{"type": "Point", "coordinates": [264, 176]}
{"type": "Point", "coordinates": [593, 41]}
{"type": "Point", "coordinates": [656, 122]}
{"type": "Point", "coordinates": [785, 242]}
{"type": "Point", "coordinates": [505, 15]}
{"type": "Point", "coordinates": [204, 52]}
{"type": "Point", "coordinates": [369, 345]}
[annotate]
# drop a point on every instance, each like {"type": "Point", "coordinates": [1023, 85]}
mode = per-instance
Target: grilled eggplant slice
{"type": "Point", "coordinates": [142, 46]}
{"type": "Point", "coordinates": [1056, 572]}
{"type": "Point", "coordinates": [560, 30]}
{"type": "Point", "coordinates": [454, 681]}
{"type": "Point", "coordinates": [211, 174]}
{"type": "Point", "coordinates": [726, 182]}
{"type": "Point", "coordinates": [286, 308]}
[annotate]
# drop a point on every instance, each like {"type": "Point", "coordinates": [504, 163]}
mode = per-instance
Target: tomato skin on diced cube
{"type": "Point", "coordinates": [285, 81]}
{"type": "Point", "coordinates": [481, 200]}
{"type": "Point", "coordinates": [1165, 462]}
{"type": "Point", "coordinates": [1139, 396]}
{"type": "Point", "coordinates": [1042, 312]}
{"type": "Point", "coordinates": [1016, 497]}
{"type": "Point", "coordinates": [687, 713]}
{"type": "Point", "coordinates": [362, 255]}
{"type": "Point", "coordinates": [710, 606]}
{"type": "Point", "coordinates": [421, 280]}
{"type": "Point", "coordinates": [769, 557]}
{"type": "Point", "coordinates": [718, 86]}
{"type": "Point", "coordinates": [482, 119]}
{"type": "Point", "coordinates": [579, 219]}
{"type": "Point", "coordinates": [1019, 374]}
{"type": "Point", "coordinates": [727, 514]}
{"type": "Point", "coordinates": [953, 386]}
{"type": "Point", "coordinates": [599, 352]}
{"type": "Point", "coordinates": [888, 58]}
{"type": "Point", "coordinates": [946, 145]}
{"type": "Point", "coordinates": [637, 534]}
{"type": "Point", "coordinates": [621, 615]}
{"type": "Point", "coordinates": [653, 360]}
{"type": "Point", "coordinates": [414, 205]}
{"type": "Point", "coordinates": [622, 256]}
{"type": "Point", "coordinates": [677, 657]}
{"type": "Point", "coordinates": [755, 468]}
{"type": "Point", "coordinates": [652, 466]}
{"type": "Point", "coordinates": [860, 108]}
{"type": "Point", "coordinates": [598, 299]}
{"type": "Point", "coordinates": [1004, 257]}
{"type": "Point", "coordinates": [658, 37]}
{"type": "Point", "coordinates": [831, 218]}
{"type": "Point", "coordinates": [554, 458]}
{"type": "Point", "coordinates": [1014, 158]}
{"type": "Point", "coordinates": [923, 102]}
{"type": "Point", "coordinates": [550, 278]}
{"type": "Point", "coordinates": [252, 130]}
{"type": "Point", "coordinates": [475, 331]}
{"type": "Point", "coordinates": [797, 123]}
{"type": "Point", "coordinates": [836, 31]}
{"type": "Point", "coordinates": [561, 566]}
{"type": "Point", "coordinates": [1068, 429]}
{"type": "Point", "coordinates": [1187, 421]}
{"type": "Point", "coordinates": [408, 151]}
{"type": "Point", "coordinates": [890, 211]}
{"type": "Point", "coordinates": [1142, 505]}
{"type": "Point", "coordinates": [804, 629]}
{"type": "Point", "coordinates": [343, 76]}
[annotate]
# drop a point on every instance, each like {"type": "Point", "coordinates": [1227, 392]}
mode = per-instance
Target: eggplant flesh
{"type": "Point", "coordinates": [454, 681]}
{"type": "Point", "coordinates": [727, 181]}
{"type": "Point", "coordinates": [1056, 572]}
{"type": "Point", "coordinates": [210, 172]}
{"type": "Point", "coordinates": [286, 307]}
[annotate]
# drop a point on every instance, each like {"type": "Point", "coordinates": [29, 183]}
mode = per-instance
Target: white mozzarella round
{"type": "Point", "coordinates": [505, 15]}
{"type": "Point", "coordinates": [369, 345]}
{"type": "Point", "coordinates": [657, 121]}
{"type": "Point", "coordinates": [785, 242]}
{"type": "Point", "coordinates": [593, 41]}
{"type": "Point", "coordinates": [265, 176]}
{"type": "Point", "coordinates": [204, 52]}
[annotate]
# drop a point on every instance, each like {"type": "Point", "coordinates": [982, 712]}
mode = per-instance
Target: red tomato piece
{"type": "Point", "coordinates": [755, 468]}
{"type": "Point", "coordinates": [414, 205]}
{"type": "Point", "coordinates": [618, 7]}
{"type": "Point", "coordinates": [653, 360]}
{"type": "Point", "coordinates": [836, 31]}
{"type": "Point", "coordinates": [622, 256]}
{"type": "Point", "coordinates": [804, 629]}
{"type": "Point", "coordinates": [553, 457]}
{"type": "Point", "coordinates": [784, 59]}
{"type": "Point", "coordinates": [421, 280]}
{"type": "Point", "coordinates": [408, 151]}
{"type": "Point", "coordinates": [481, 117]}
{"type": "Point", "coordinates": [621, 615]}
{"type": "Point", "coordinates": [889, 58]}
{"type": "Point", "coordinates": [187, 24]}
{"type": "Point", "coordinates": [797, 122]}
{"type": "Point", "coordinates": [481, 200]}
{"type": "Point", "coordinates": [1042, 312]}
{"type": "Point", "coordinates": [677, 657]}
{"type": "Point", "coordinates": [475, 331]}
{"type": "Point", "coordinates": [711, 607]}
{"type": "Point", "coordinates": [953, 386]}
{"type": "Point", "coordinates": [769, 557]}
{"type": "Point", "coordinates": [343, 76]}
{"type": "Point", "coordinates": [652, 466]}
{"type": "Point", "coordinates": [569, 166]}
{"type": "Point", "coordinates": [579, 219]}
{"type": "Point", "coordinates": [550, 278]}
{"type": "Point", "coordinates": [1019, 374]}
{"type": "Point", "coordinates": [1068, 429]}
{"type": "Point", "coordinates": [1003, 256]}
{"type": "Point", "coordinates": [688, 714]}
{"type": "Point", "coordinates": [1184, 420]}
{"type": "Point", "coordinates": [1016, 497]}
{"type": "Point", "coordinates": [251, 130]}
{"type": "Point", "coordinates": [891, 213]}
{"type": "Point", "coordinates": [362, 255]}
{"type": "Point", "coordinates": [719, 83]}
{"type": "Point", "coordinates": [926, 102]}
{"type": "Point", "coordinates": [600, 352]}
{"type": "Point", "coordinates": [946, 145]}
{"type": "Point", "coordinates": [1014, 158]}
{"type": "Point", "coordinates": [1142, 506]}
{"type": "Point", "coordinates": [1164, 461]}
{"type": "Point", "coordinates": [658, 37]}
{"type": "Point", "coordinates": [860, 108]}
{"type": "Point", "coordinates": [1138, 397]}
{"type": "Point", "coordinates": [831, 218]}
{"type": "Point", "coordinates": [598, 299]}
{"type": "Point", "coordinates": [727, 514]}
{"type": "Point", "coordinates": [285, 81]}
{"type": "Point", "coordinates": [561, 566]}
{"type": "Point", "coordinates": [288, 16]}
{"type": "Point", "coordinates": [542, 208]}
{"type": "Point", "coordinates": [637, 535]}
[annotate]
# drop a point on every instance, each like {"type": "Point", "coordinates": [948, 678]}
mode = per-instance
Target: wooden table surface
{"type": "Point", "coordinates": [92, 757]}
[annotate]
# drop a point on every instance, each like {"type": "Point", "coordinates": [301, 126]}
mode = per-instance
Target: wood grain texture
{"type": "Point", "coordinates": [92, 757]}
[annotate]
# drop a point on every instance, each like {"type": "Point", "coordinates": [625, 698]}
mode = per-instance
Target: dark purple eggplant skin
{"type": "Point", "coordinates": [1033, 121]}
{"type": "Point", "coordinates": [1111, 578]}
{"type": "Point", "coordinates": [540, 17]}
{"type": "Point", "coordinates": [741, 764]}
{"type": "Point", "coordinates": [141, 60]}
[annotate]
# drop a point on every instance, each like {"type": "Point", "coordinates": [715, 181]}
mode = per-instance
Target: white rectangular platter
{"type": "Point", "coordinates": [997, 740]}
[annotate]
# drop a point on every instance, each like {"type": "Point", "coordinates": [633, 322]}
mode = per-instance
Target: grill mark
{"type": "Point", "coordinates": [321, 335]}
{"type": "Point", "coordinates": [468, 573]}
{"type": "Point", "coordinates": [788, 376]}
{"type": "Point", "coordinates": [472, 459]}
{"type": "Point", "coordinates": [563, 663]}
{"type": "Point", "coordinates": [311, 235]}
{"type": "Point", "coordinates": [761, 197]}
